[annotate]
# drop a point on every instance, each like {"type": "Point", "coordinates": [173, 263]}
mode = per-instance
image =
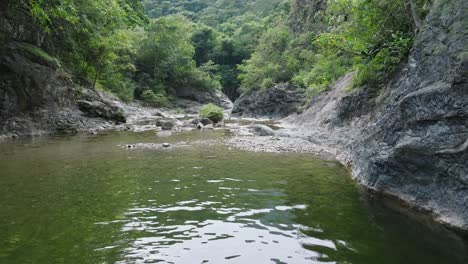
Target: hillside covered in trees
{"type": "Point", "coordinates": [151, 49]}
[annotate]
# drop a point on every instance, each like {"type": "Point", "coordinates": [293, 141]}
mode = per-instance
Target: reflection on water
{"type": "Point", "coordinates": [215, 241]}
{"type": "Point", "coordinates": [86, 200]}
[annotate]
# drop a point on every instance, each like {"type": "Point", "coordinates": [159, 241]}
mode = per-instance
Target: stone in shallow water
{"type": "Point", "coordinates": [262, 130]}
{"type": "Point", "coordinates": [206, 121]}
{"type": "Point", "coordinates": [168, 125]}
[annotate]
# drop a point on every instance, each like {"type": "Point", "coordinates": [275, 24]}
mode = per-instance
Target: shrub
{"type": "Point", "coordinates": [325, 70]}
{"type": "Point", "coordinates": [156, 100]}
{"type": "Point", "coordinates": [205, 81]}
{"type": "Point", "coordinates": [267, 83]}
{"type": "Point", "coordinates": [212, 112]}
{"type": "Point", "coordinates": [385, 61]}
{"type": "Point", "coordinates": [120, 86]}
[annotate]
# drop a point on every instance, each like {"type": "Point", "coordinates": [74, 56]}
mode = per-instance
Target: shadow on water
{"type": "Point", "coordinates": [84, 199]}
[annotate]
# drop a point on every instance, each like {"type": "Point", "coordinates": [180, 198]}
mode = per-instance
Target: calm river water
{"type": "Point", "coordinates": [85, 199]}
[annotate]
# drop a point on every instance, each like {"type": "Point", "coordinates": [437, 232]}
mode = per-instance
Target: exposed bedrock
{"type": "Point", "coordinates": [278, 101]}
{"type": "Point", "coordinates": [37, 96]}
{"type": "Point", "coordinates": [410, 139]}
{"type": "Point", "coordinates": [205, 97]}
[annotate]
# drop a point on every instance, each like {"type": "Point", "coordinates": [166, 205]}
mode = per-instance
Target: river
{"type": "Point", "coordinates": [87, 199]}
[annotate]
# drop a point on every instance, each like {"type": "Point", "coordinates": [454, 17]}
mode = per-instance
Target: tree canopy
{"type": "Point", "coordinates": [153, 48]}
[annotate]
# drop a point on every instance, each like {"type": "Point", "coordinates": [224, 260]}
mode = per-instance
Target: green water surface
{"type": "Point", "coordinates": [85, 199]}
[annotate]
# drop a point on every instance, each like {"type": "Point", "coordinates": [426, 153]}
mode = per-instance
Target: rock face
{"type": "Point", "coordinates": [28, 85]}
{"type": "Point", "coordinates": [38, 97]}
{"type": "Point", "coordinates": [97, 104]}
{"type": "Point", "coordinates": [27, 89]}
{"type": "Point", "coordinates": [307, 15]}
{"type": "Point", "coordinates": [278, 101]}
{"type": "Point", "coordinates": [410, 140]}
{"type": "Point", "coordinates": [206, 97]}
{"type": "Point", "coordinates": [17, 25]}
{"type": "Point", "coordinates": [102, 110]}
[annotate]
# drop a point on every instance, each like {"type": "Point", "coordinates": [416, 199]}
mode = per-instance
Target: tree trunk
{"type": "Point", "coordinates": [96, 77]}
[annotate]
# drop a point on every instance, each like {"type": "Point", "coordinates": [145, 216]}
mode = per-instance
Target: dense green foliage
{"type": "Point", "coordinates": [226, 32]}
{"type": "Point", "coordinates": [166, 58]}
{"type": "Point", "coordinates": [113, 45]}
{"type": "Point", "coordinates": [212, 112]}
{"type": "Point", "coordinates": [91, 37]}
{"type": "Point", "coordinates": [151, 98]}
{"type": "Point", "coordinates": [152, 49]}
{"type": "Point", "coordinates": [214, 13]}
{"type": "Point", "coordinates": [370, 37]}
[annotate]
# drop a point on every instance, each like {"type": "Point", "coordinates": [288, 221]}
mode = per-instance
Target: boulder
{"type": "Point", "coordinates": [207, 126]}
{"type": "Point", "coordinates": [206, 121]}
{"type": "Point", "coordinates": [102, 110]}
{"type": "Point", "coordinates": [202, 122]}
{"type": "Point", "coordinates": [167, 125]}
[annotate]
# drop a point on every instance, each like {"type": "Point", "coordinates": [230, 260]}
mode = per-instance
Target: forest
{"type": "Point", "coordinates": [149, 49]}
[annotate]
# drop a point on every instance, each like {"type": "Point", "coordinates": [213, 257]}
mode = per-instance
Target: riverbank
{"type": "Point", "coordinates": [408, 137]}
{"type": "Point", "coordinates": [329, 146]}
